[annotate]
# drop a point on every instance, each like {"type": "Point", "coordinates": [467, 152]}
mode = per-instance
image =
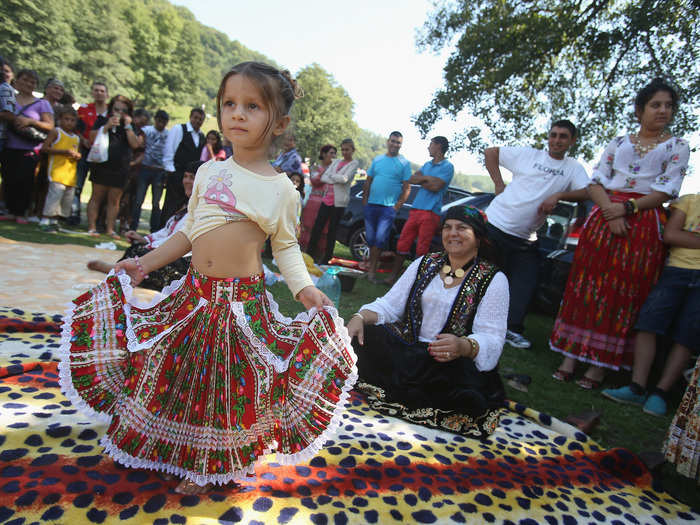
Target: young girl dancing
{"type": "Point", "coordinates": [210, 377]}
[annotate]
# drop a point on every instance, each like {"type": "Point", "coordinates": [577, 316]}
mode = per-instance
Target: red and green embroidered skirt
{"type": "Point", "coordinates": [207, 379]}
{"type": "Point", "coordinates": [609, 281]}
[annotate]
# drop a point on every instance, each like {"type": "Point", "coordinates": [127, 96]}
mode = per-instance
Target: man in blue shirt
{"type": "Point", "coordinates": [289, 161]}
{"type": "Point", "coordinates": [152, 171]}
{"type": "Point", "coordinates": [385, 191]}
{"type": "Point", "coordinates": [424, 219]}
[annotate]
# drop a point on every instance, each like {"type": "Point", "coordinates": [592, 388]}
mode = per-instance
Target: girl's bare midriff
{"type": "Point", "coordinates": [231, 250]}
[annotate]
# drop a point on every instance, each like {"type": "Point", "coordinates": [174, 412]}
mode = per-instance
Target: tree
{"type": "Point", "coordinates": [367, 146]}
{"type": "Point", "coordinates": [149, 50]}
{"type": "Point", "coordinates": [324, 114]}
{"type": "Point", "coordinates": [517, 64]}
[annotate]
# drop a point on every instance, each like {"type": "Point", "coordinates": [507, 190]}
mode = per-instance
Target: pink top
{"type": "Point", "coordinates": [218, 156]}
{"type": "Point", "coordinates": [329, 197]}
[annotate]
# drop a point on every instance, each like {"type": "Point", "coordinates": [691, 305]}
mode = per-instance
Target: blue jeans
{"type": "Point", "coordinates": [153, 177]}
{"type": "Point", "coordinates": [378, 222]}
{"type": "Point", "coordinates": [673, 307]}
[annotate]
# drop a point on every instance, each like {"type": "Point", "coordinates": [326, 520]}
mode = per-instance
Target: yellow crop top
{"type": "Point", "coordinates": [224, 192]}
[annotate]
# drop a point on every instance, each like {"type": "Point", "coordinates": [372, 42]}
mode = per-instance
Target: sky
{"type": "Point", "coordinates": [369, 46]}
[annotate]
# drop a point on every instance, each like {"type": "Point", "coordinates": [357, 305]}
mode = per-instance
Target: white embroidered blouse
{"type": "Point", "coordinates": [171, 227]}
{"type": "Point", "coordinates": [662, 169]}
{"type": "Point", "coordinates": [490, 321]}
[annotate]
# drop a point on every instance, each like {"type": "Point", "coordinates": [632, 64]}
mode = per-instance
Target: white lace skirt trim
{"type": "Point", "coordinates": [336, 419]}
{"type": "Point", "coordinates": [133, 345]}
{"type": "Point", "coordinates": [64, 371]}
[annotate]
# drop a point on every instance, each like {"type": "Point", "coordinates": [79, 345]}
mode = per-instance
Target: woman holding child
{"type": "Point", "coordinates": [20, 156]}
{"type": "Point", "coordinates": [620, 253]}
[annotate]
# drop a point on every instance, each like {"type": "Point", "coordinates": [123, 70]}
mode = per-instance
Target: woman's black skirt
{"type": "Point", "coordinates": [404, 380]}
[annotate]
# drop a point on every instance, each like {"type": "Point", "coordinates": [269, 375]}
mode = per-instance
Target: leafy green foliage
{"type": "Point", "coordinates": [515, 64]}
{"type": "Point", "coordinates": [160, 56]}
{"type": "Point", "coordinates": [151, 51]}
{"type": "Point", "coordinates": [324, 114]}
{"type": "Point", "coordinates": [473, 182]}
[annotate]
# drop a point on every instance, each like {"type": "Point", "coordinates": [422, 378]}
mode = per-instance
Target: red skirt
{"type": "Point", "coordinates": [308, 218]}
{"type": "Point", "coordinates": [609, 281]}
{"type": "Point", "coordinates": [206, 380]}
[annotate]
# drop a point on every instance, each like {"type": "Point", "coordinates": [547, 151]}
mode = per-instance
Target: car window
{"type": "Point", "coordinates": [412, 195]}
{"type": "Point", "coordinates": [452, 195]}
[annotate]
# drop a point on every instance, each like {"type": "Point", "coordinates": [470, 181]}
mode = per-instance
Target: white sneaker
{"type": "Point", "coordinates": [516, 340]}
{"type": "Point", "coordinates": [33, 218]}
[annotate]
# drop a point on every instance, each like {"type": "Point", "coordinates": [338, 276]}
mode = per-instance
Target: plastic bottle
{"type": "Point", "coordinates": [329, 283]}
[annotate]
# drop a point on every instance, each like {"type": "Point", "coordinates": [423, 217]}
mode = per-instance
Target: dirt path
{"type": "Point", "coordinates": [44, 277]}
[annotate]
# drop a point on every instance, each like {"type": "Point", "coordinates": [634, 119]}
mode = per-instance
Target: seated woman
{"type": "Point", "coordinates": [142, 244]}
{"type": "Point", "coordinates": [428, 350]}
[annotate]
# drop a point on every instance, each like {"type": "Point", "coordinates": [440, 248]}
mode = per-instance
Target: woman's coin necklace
{"type": "Point", "coordinates": [451, 274]}
{"type": "Point", "coordinates": [643, 149]}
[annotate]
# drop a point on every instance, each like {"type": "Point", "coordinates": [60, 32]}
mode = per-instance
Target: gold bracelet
{"type": "Point", "coordinates": [471, 346]}
{"type": "Point", "coordinates": [358, 314]}
{"type": "Point", "coordinates": [635, 205]}
{"type": "Point", "coordinates": [475, 347]}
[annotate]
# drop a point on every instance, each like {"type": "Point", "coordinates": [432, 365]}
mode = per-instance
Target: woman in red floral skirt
{"type": "Point", "coordinates": [620, 253]}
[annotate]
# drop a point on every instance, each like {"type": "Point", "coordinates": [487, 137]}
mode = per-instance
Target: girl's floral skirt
{"type": "Point", "coordinates": [609, 281]}
{"type": "Point", "coordinates": [207, 379]}
{"type": "Point", "coordinates": [682, 445]}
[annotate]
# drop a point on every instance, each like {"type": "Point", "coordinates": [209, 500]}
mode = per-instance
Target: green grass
{"type": "Point", "coordinates": [620, 425]}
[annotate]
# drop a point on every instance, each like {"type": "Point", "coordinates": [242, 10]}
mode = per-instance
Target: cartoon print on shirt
{"type": "Point", "coordinates": [219, 193]}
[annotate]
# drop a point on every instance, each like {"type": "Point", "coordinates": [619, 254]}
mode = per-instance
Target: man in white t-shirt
{"type": "Point", "coordinates": [540, 179]}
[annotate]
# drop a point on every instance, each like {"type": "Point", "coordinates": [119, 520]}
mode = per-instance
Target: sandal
{"type": "Point", "coordinates": [589, 384]}
{"type": "Point", "coordinates": [191, 488]}
{"type": "Point", "coordinates": [563, 375]}
{"type": "Point", "coordinates": [114, 236]}
{"type": "Point", "coordinates": [93, 233]}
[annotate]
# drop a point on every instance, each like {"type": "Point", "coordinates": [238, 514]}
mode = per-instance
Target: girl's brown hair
{"type": "Point", "coordinates": [278, 89]}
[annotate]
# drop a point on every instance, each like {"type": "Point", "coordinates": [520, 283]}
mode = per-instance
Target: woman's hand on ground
{"type": "Point", "coordinates": [445, 348]}
{"type": "Point", "coordinates": [135, 237]}
{"type": "Point", "coordinates": [614, 211]}
{"type": "Point", "coordinates": [312, 297]}
{"type": "Point", "coordinates": [619, 226]}
{"type": "Point", "coordinates": [132, 269]}
{"type": "Point", "coordinates": [356, 328]}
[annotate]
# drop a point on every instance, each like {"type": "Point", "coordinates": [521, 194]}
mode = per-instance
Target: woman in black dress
{"type": "Point", "coordinates": [109, 178]}
{"type": "Point", "coordinates": [428, 350]}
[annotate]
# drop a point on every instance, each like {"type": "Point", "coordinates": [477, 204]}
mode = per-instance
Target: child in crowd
{"type": "Point", "coordinates": [211, 377]}
{"type": "Point", "coordinates": [61, 145]}
{"type": "Point", "coordinates": [298, 181]}
{"type": "Point", "coordinates": [674, 303]}
{"type": "Point", "coordinates": [214, 148]}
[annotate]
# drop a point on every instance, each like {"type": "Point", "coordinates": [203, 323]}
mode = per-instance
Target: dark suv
{"type": "Point", "coordinates": [351, 229]}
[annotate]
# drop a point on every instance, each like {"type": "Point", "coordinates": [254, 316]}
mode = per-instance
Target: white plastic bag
{"type": "Point", "coordinates": [99, 151]}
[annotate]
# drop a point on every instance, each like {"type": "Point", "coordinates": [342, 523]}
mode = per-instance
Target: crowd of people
{"type": "Point", "coordinates": [429, 346]}
{"type": "Point", "coordinates": [48, 150]}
